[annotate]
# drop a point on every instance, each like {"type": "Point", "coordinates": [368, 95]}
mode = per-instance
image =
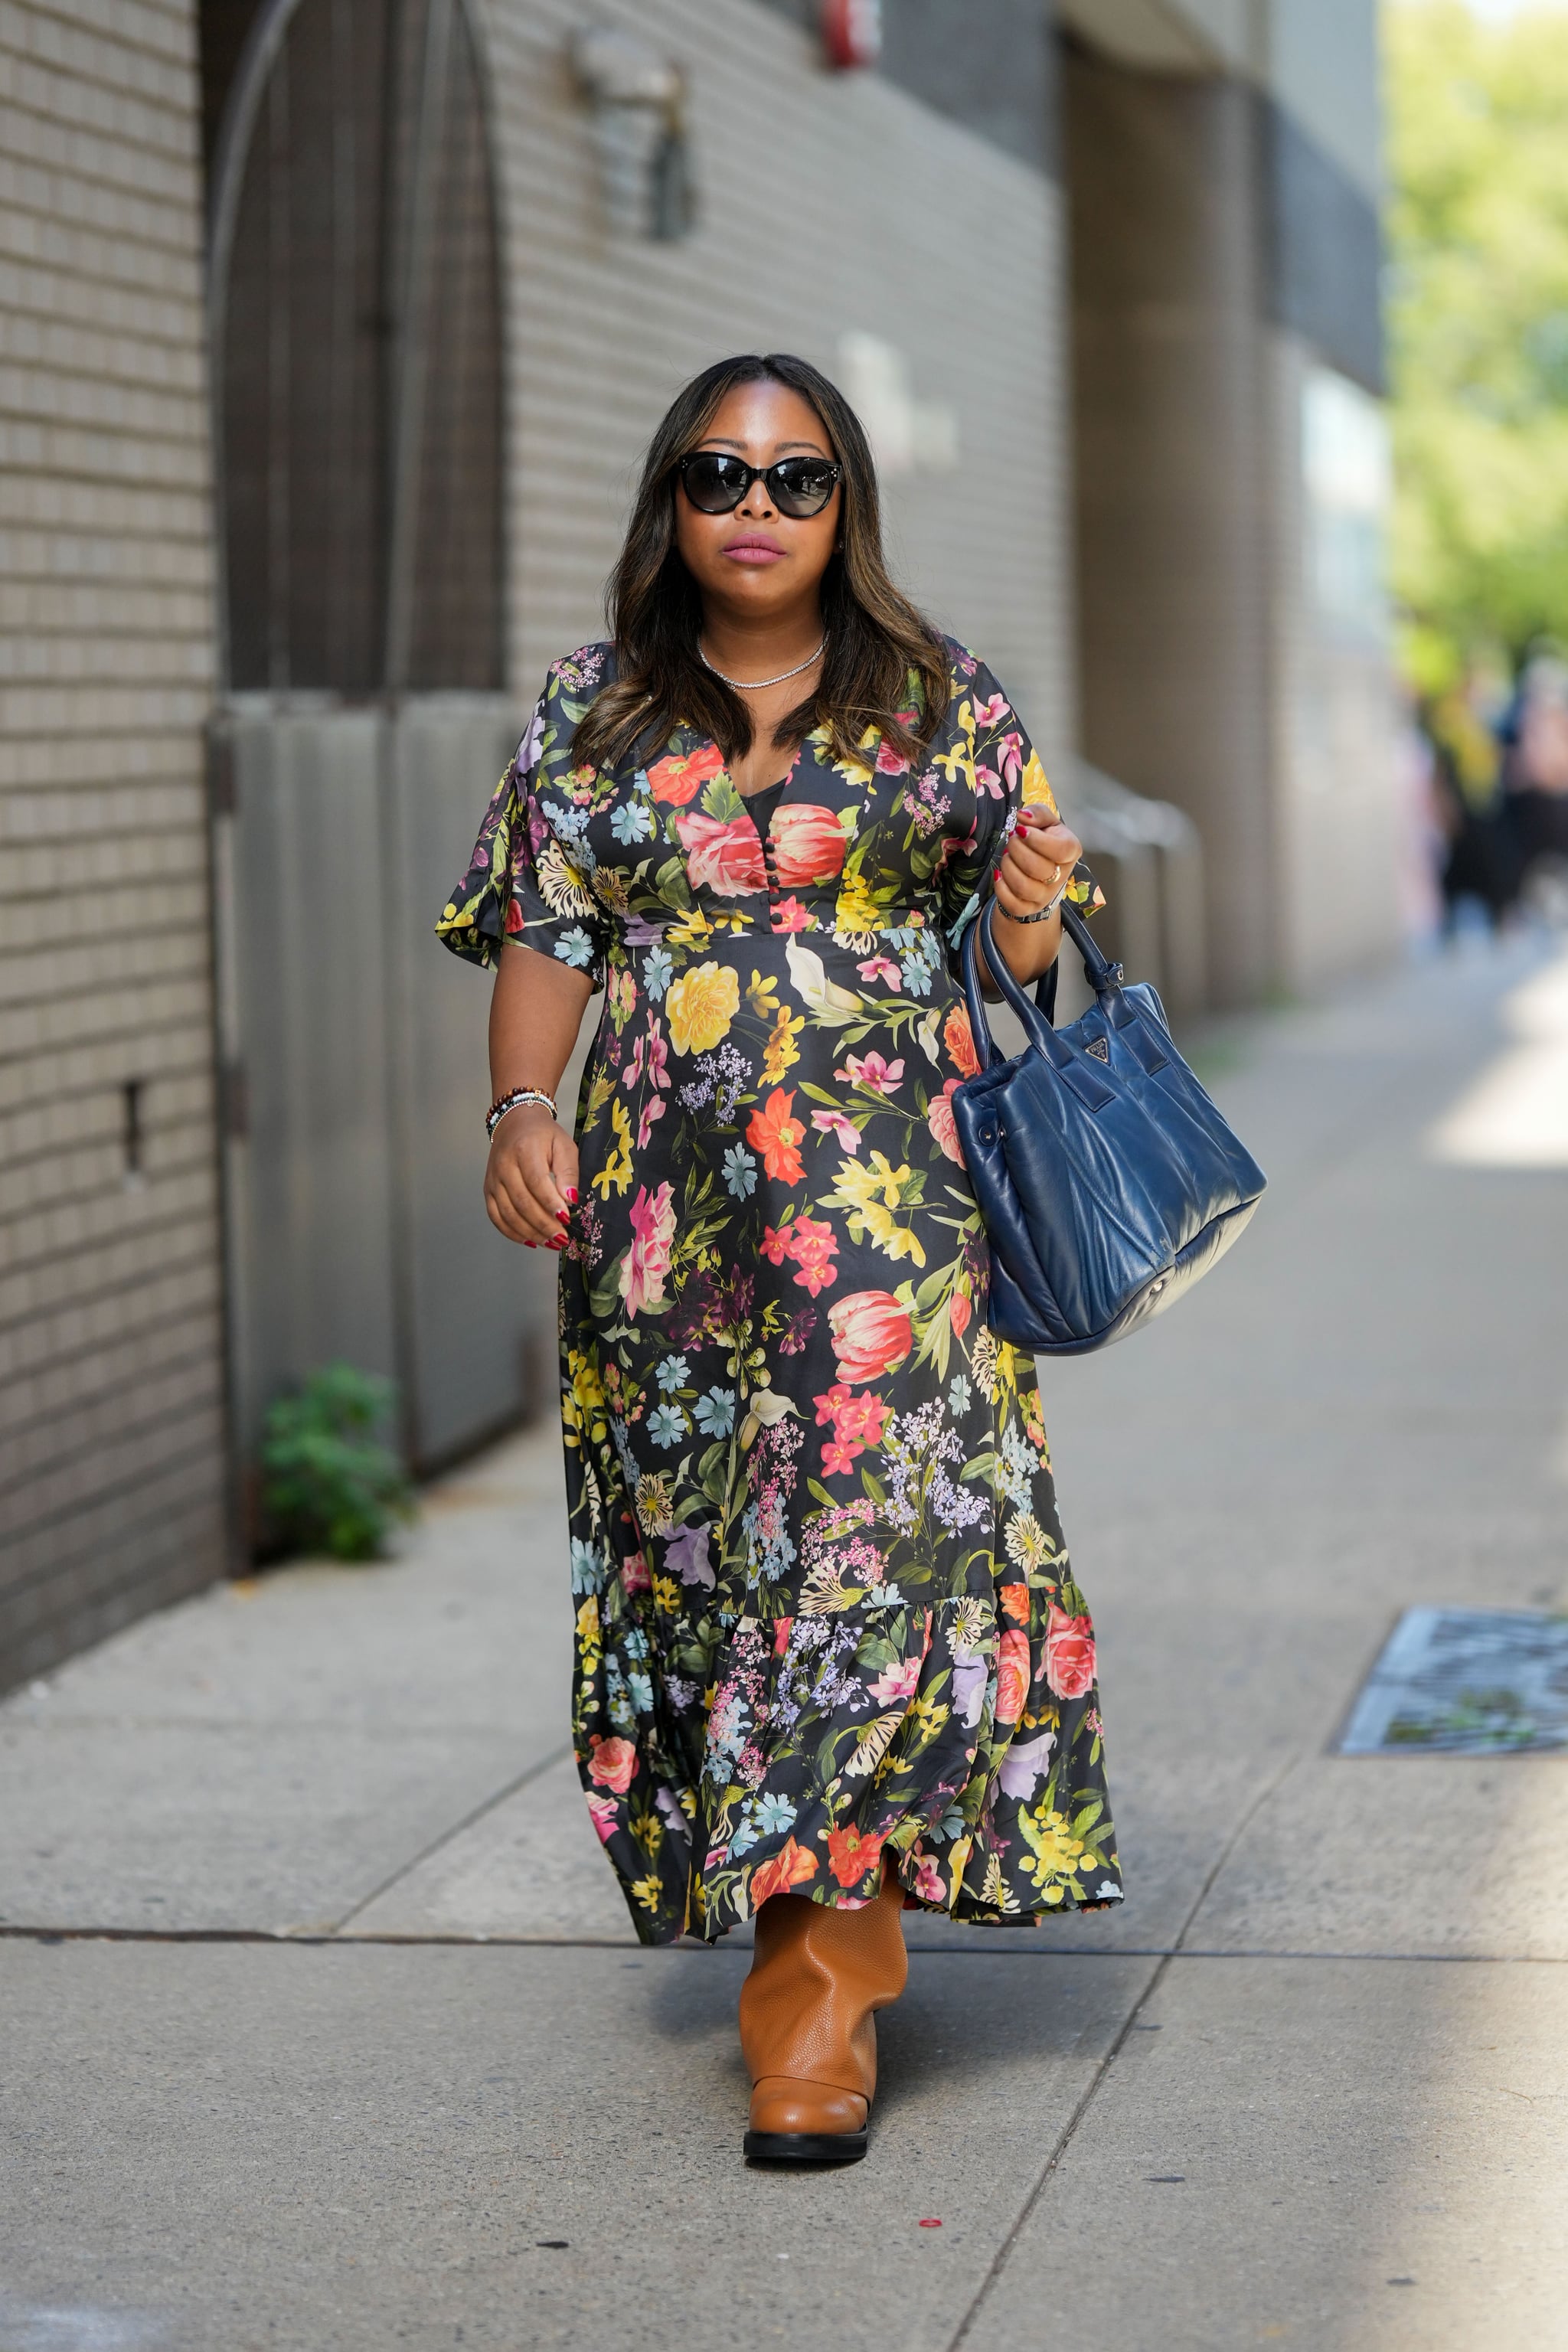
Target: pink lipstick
{"type": "Point", "coordinates": [755, 548]}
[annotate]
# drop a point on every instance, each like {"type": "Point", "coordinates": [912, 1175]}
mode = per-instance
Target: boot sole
{"type": "Point", "coordinates": [805, 2147]}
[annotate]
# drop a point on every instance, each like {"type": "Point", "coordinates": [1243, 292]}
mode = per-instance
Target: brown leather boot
{"type": "Point", "coordinates": [809, 2029]}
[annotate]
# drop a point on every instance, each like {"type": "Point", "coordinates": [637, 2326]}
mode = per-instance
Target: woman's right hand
{"type": "Point", "coordinates": [530, 1180]}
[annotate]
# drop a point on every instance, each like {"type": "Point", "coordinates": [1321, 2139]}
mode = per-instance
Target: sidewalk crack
{"type": "Point", "coordinates": [404, 1869]}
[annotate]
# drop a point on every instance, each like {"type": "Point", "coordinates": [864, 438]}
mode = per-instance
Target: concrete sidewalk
{"type": "Point", "coordinates": [325, 2030]}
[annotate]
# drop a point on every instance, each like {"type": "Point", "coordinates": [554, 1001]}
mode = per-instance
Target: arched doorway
{"type": "Point", "coordinates": [356, 329]}
{"type": "Point", "coordinates": [356, 352]}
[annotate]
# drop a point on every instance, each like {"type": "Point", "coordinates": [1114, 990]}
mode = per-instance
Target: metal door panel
{"type": "Point", "coordinates": [479, 1312]}
{"type": "Point", "coordinates": [311, 1195]}
{"type": "Point", "coordinates": [356, 366]}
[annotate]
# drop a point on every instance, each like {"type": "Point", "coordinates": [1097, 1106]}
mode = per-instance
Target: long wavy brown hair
{"type": "Point", "coordinates": [883, 657]}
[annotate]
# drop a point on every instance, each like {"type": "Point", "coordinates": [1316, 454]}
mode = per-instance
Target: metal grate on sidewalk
{"type": "Point", "coordinates": [1464, 1682]}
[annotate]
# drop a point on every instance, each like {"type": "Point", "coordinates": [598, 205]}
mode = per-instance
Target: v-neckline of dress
{"type": "Point", "coordinates": [760, 806]}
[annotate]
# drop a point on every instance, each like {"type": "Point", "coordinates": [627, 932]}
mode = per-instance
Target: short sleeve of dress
{"type": "Point", "coordinates": [984, 743]}
{"type": "Point", "coordinates": [530, 877]}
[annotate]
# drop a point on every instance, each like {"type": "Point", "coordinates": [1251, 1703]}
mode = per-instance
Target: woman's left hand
{"type": "Point", "coordinates": [1039, 859]}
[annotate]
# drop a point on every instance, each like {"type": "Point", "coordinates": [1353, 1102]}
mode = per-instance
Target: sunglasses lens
{"type": "Point", "coordinates": [803, 486]}
{"type": "Point", "coordinates": [714, 483]}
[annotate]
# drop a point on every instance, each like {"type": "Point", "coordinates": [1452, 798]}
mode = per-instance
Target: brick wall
{"type": "Point", "coordinates": [111, 1425]}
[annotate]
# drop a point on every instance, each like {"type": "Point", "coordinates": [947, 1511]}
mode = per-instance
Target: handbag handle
{"type": "Point", "coordinates": [1101, 974]}
{"type": "Point", "coordinates": [1103, 977]}
{"type": "Point", "coordinates": [1037, 1027]}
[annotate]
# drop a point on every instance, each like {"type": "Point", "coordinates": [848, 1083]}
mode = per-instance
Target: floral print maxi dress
{"type": "Point", "coordinates": [824, 1608]}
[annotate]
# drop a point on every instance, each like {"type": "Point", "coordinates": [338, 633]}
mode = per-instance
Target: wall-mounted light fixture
{"type": "Point", "coordinates": [852, 31]}
{"type": "Point", "coordinates": [637, 100]}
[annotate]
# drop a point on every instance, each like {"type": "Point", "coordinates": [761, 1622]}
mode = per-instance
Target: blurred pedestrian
{"type": "Point", "coordinates": [831, 1659]}
{"type": "Point", "coordinates": [1535, 733]}
{"type": "Point", "coordinates": [1478, 857]}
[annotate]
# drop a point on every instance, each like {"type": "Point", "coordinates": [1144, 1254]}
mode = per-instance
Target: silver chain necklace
{"type": "Point", "coordinates": [755, 685]}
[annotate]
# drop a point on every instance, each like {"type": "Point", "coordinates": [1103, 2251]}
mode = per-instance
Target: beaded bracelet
{"type": "Point", "coordinates": [519, 1095]}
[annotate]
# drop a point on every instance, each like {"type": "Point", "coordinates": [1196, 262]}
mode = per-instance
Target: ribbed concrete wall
{"type": "Point", "coordinates": [110, 1456]}
{"type": "Point", "coordinates": [829, 203]}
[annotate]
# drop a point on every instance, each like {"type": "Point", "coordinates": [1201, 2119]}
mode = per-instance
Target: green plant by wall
{"type": "Point", "coordinates": [329, 1481]}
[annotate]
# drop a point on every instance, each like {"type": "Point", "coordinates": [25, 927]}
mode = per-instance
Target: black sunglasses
{"type": "Point", "coordinates": [716, 484]}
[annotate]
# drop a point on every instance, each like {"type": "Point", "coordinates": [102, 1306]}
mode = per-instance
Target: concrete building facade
{"type": "Point", "coordinates": [266, 653]}
{"type": "Point", "coordinates": [1224, 182]}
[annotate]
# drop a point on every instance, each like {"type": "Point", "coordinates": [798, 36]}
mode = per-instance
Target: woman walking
{"type": "Point", "coordinates": [831, 1660]}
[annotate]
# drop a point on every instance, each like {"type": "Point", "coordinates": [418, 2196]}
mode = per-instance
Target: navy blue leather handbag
{"type": "Point", "coordinates": [1107, 1181]}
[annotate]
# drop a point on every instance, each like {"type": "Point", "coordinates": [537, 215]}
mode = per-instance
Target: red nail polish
{"type": "Point", "coordinates": [571, 1195]}
{"type": "Point", "coordinates": [565, 1215]}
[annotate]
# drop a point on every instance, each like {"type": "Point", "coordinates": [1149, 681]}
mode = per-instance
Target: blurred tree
{"type": "Point", "coordinates": [1478, 325]}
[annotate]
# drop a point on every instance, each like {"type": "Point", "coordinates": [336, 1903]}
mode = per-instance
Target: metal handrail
{"type": "Point", "coordinates": [1110, 817]}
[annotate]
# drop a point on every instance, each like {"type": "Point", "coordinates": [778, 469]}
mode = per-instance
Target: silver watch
{"type": "Point", "coordinates": [1041, 914]}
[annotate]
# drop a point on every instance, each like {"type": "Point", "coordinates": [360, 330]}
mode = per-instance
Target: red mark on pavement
{"type": "Point", "coordinates": [929, 2225]}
